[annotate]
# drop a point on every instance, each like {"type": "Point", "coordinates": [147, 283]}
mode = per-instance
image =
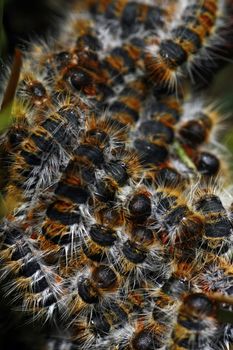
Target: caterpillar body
{"type": "Point", "coordinates": [116, 232]}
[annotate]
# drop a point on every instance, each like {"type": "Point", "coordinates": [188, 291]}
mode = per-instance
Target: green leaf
{"type": "Point", "coordinates": [183, 156]}
{"type": "Point", "coordinates": [5, 117]}
{"type": "Point", "coordinates": [225, 316]}
{"type": "Point", "coordinates": [2, 207]}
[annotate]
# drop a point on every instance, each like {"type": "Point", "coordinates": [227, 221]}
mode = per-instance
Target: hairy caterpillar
{"type": "Point", "coordinates": [191, 35]}
{"type": "Point", "coordinates": [118, 225]}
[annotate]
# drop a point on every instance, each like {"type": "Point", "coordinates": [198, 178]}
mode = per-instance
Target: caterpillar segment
{"type": "Point", "coordinates": [46, 143]}
{"type": "Point", "coordinates": [132, 15]}
{"type": "Point", "coordinates": [168, 62]}
{"type": "Point", "coordinates": [126, 108]}
{"type": "Point", "coordinates": [197, 134]}
{"type": "Point", "coordinates": [117, 236]}
{"type": "Point", "coordinates": [217, 233]}
{"type": "Point", "coordinates": [196, 323]}
{"type": "Point", "coordinates": [73, 193]}
{"type": "Point", "coordinates": [156, 131]}
{"type": "Point", "coordinates": [33, 285]}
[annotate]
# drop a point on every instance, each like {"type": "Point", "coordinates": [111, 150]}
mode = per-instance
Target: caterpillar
{"type": "Point", "coordinates": [74, 188]}
{"type": "Point", "coordinates": [34, 283]}
{"type": "Point", "coordinates": [196, 323]}
{"type": "Point", "coordinates": [119, 237]}
{"type": "Point", "coordinates": [217, 233]}
{"type": "Point", "coordinates": [177, 53]}
{"type": "Point", "coordinates": [44, 145]}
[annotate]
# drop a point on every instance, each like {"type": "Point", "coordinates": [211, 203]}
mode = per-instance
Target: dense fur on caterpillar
{"type": "Point", "coordinates": [112, 212]}
{"type": "Point", "coordinates": [217, 233]}
{"type": "Point", "coordinates": [32, 284]}
{"type": "Point", "coordinates": [189, 36]}
{"type": "Point", "coordinates": [197, 323]}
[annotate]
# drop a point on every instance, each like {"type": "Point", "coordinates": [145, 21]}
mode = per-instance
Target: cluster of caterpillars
{"type": "Point", "coordinates": [119, 224]}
